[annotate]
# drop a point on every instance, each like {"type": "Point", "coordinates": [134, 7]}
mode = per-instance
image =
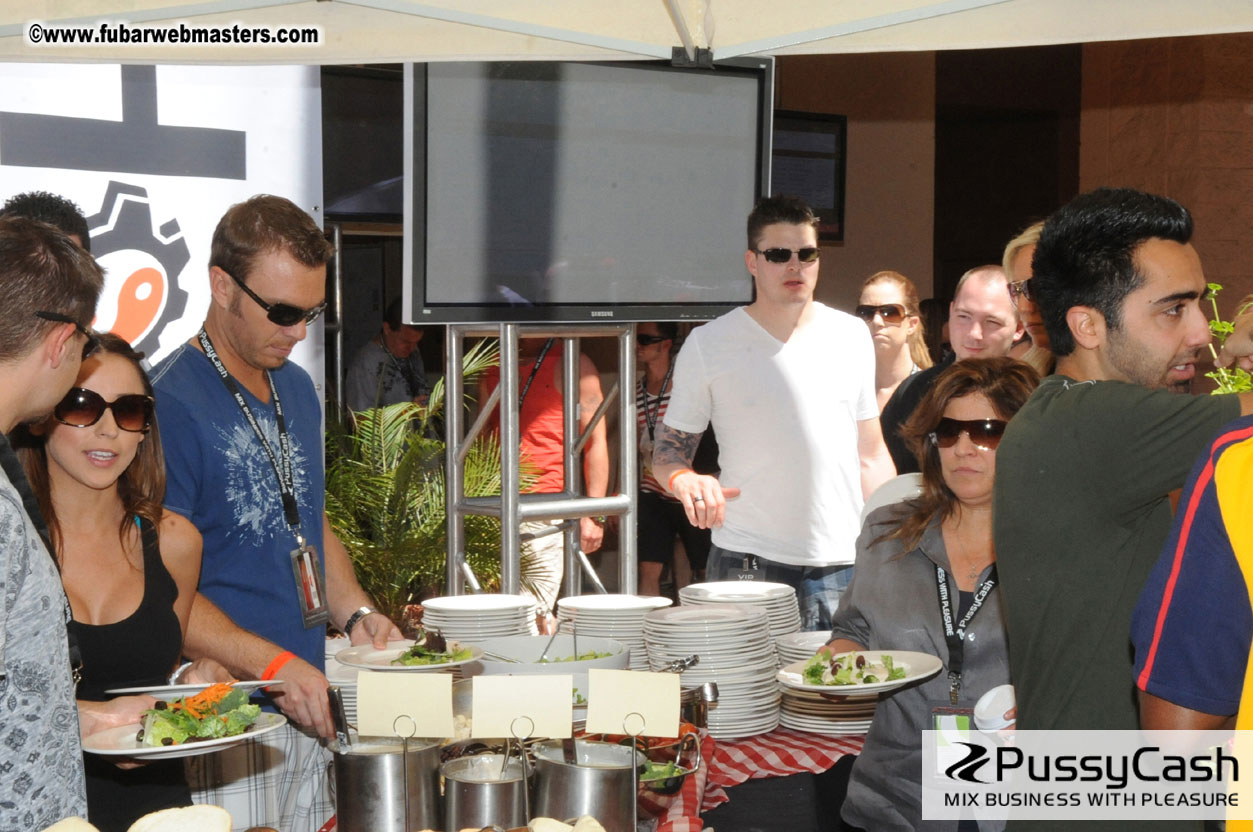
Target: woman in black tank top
{"type": "Point", "coordinates": [128, 568]}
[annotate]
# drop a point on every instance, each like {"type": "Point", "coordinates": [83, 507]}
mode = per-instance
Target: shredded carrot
{"type": "Point", "coordinates": [200, 703]}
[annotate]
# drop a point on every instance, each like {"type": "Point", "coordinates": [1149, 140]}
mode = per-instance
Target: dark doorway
{"type": "Point", "coordinates": [1006, 149]}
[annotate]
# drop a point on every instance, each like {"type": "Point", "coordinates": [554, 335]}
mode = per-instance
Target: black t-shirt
{"type": "Point", "coordinates": [900, 407]}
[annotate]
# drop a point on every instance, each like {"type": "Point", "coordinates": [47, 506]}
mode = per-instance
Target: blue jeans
{"type": "Point", "coordinates": [818, 588]}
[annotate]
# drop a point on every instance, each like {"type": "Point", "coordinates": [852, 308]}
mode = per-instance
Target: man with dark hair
{"type": "Point", "coordinates": [242, 429]}
{"type": "Point", "coordinates": [1086, 467]}
{"type": "Point", "coordinates": [388, 368]}
{"type": "Point", "coordinates": [48, 291]}
{"type": "Point", "coordinates": [55, 210]}
{"type": "Point", "coordinates": [788, 385]}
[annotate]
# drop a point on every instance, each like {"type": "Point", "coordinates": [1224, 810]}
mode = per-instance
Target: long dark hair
{"type": "Point", "coordinates": [141, 486]}
{"type": "Point", "coordinates": [1007, 384]}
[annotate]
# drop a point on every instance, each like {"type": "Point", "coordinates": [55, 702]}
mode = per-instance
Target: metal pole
{"type": "Point", "coordinates": [454, 472]}
{"type": "Point", "coordinates": [571, 578]}
{"type": "Point", "coordinates": [335, 325]}
{"type": "Point", "coordinates": [628, 461]}
{"type": "Point", "coordinates": [510, 447]}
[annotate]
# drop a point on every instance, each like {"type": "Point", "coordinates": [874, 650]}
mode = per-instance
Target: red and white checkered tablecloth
{"type": "Point", "coordinates": [730, 762]}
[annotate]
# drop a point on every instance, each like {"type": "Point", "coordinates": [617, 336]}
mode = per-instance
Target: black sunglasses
{"type": "Point", "coordinates": [984, 433]}
{"type": "Point", "coordinates": [283, 314]}
{"type": "Point", "coordinates": [645, 340]}
{"type": "Point", "coordinates": [1021, 289]}
{"type": "Point", "coordinates": [82, 408]}
{"type": "Point", "coordinates": [892, 313]}
{"type": "Point", "coordinates": [784, 255]}
{"type": "Point", "coordinates": [92, 344]}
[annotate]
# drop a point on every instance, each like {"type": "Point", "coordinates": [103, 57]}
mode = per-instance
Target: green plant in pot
{"type": "Point", "coordinates": [385, 498]}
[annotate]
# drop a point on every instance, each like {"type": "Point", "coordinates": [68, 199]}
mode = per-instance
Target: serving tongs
{"type": "Point", "coordinates": [680, 665]}
{"type": "Point", "coordinates": [339, 717]}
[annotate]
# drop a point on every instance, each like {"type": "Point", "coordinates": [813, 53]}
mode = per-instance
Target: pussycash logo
{"type": "Point", "coordinates": [142, 263]}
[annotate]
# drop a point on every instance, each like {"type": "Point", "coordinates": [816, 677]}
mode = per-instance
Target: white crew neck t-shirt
{"type": "Point", "coordinates": [786, 417]}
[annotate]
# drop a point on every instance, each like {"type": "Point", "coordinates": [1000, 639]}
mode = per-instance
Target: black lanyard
{"type": "Point", "coordinates": [282, 463]}
{"type": "Point", "coordinates": [651, 414]}
{"type": "Point", "coordinates": [548, 345]}
{"type": "Point", "coordinates": [953, 636]}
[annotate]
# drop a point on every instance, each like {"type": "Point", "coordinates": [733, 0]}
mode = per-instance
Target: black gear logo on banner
{"type": "Point", "coordinates": [149, 297]}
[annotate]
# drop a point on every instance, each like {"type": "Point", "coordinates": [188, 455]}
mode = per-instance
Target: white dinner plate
{"type": "Point", "coordinates": [918, 666]}
{"type": "Point", "coordinates": [121, 742]}
{"type": "Point", "coordinates": [366, 657]}
{"type": "Point", "coordinates": [464, 604]}
{"type": "Point", "coordinates": [168, 692]}
{"type": "Point", "coordinates": [612, 603]}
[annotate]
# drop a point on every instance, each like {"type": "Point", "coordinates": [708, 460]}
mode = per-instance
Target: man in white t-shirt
{"type": "Point", "coordinates": [788, 384]}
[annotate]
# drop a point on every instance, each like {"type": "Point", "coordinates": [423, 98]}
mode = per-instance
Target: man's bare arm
{"type": "Point", "coordinates": [703, 497]}
{"type": "Point", "coordinates": [1157, 714]}
{"type": "Point", "coordinates": [876, 463]}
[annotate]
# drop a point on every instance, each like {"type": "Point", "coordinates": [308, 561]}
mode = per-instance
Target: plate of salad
{"type": "Point", "coordinates": [859, 672]}
{"type": "Point", "coordinates": [430, 652]}
{"type": "Point", "coordinates": [214, 719]}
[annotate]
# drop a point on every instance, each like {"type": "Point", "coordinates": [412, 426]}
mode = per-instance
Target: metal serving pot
{"type": "Point", "coordinates": [598, 781]}
{"type": "Point", "coordinates": [478, 794]}
{"type": "Point", "coordinates": [387, 785]}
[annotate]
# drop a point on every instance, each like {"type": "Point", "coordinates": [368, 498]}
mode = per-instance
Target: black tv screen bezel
{"type": "Point", "coordinates": [415, 218]}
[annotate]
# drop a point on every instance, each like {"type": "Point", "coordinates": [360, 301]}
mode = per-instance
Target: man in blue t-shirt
{"type": "Point", "coordinates": [242, 430]}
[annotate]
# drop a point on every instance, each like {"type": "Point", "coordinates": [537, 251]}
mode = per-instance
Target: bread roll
{"type": "Point", "coordinates": [548, 825]}
{"type": "Point", "coordinates": [72, 825]}
{"type": "Point", "coordinates": [198, 818]}
{"type": "Point", "coordinates": [587, 823]}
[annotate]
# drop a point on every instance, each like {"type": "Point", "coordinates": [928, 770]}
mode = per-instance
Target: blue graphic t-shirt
{"type": "Point", "coordinates": [220, 478]}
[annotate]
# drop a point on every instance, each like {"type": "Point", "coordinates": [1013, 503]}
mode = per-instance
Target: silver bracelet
{"type": "Point", "coordinates": [361, 613]}
{"type": "Point", "coordinates": [177, 674]}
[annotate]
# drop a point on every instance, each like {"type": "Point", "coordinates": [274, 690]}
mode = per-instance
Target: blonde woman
{"type": "Point", "coordinates": [1017, 264]}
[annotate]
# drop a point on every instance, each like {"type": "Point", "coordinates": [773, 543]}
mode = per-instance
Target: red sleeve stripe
{"type": "Point", "coordinates": [1198, 490]}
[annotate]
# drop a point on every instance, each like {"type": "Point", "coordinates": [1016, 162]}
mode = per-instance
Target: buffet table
{"type": "Point", "coordinates": [729, 763]}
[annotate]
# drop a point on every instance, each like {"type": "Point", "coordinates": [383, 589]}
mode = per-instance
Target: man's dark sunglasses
{"type": "Point", "coordinates": [784, 255]}
{"type": "Point", "coordinates": [82, 408]}
{"type": "Point", "coordinates": [645, 340]}
{"type": "Point", "coordinates": [92, 344]}
{"type": "Point", "coordinates": [892, 313]}
{"type": "Point", "coordinates": [1020, 289]}
{"type": "Point", "coordinates": [984, 433]}
{"type": "Point", "coordinates": [283, 314]}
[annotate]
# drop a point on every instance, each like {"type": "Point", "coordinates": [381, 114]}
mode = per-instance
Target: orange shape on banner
{"type": "Point", "coordinates": [139, 303]}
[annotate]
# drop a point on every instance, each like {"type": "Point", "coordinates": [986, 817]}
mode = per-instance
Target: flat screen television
{"type": "Point", "coordinates": [561, 192]}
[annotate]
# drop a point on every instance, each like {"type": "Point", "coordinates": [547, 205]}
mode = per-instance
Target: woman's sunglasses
{"type": "Point", "coordinates": [645, 340]}
{"type": "Point", "coordinates": [82, 408]}
{"type": "Point", "coordinates": [984, 433]}
{"type": "Point", "coordinates": [283, 314]}
{"type": "Point", "coordinates": [1020, 289]}
{"type": "Point", "coordinates": [784, 255]}
{"type": "Point", "coordinates": [892, 313]}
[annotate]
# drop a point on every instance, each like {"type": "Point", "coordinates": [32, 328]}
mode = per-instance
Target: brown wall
{"type": "Point", "coordinates": [889, 100]}
{"type": "Point", "coordinates": [1175, 116]}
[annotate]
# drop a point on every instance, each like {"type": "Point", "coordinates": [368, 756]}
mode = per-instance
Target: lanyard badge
{"type": "Point", "coordinates": [309, 580]}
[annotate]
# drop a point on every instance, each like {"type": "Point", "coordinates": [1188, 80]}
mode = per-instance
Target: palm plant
{"type": "Point", "coordinates": [385, 498]}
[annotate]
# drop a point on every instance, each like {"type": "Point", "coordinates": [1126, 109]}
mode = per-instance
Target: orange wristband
{"type": "Point", "coordinates": [670, 484]}
{"type": "Point", "coordinates": [277, 664]}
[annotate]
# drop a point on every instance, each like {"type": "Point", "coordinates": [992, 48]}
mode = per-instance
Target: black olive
{"type": "Point", "coordinates": [861, 661]}
{"type": "Point", "coordinates": [167, 740]}
{"type": "Point", "coordinates": [160, 706]}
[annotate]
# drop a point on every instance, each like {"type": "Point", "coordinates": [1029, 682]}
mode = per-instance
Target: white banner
{"type": "Point", "coordinates": [154, 155]}
{"type": "Point", "coordinates": [1087, 775]}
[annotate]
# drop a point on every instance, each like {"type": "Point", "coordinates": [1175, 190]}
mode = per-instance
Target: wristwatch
{"type": "Point", "coordinates": [361, 613]}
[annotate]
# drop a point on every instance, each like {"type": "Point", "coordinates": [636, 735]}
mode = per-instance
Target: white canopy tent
{"type": "Point", "coordinates": [358, 31]}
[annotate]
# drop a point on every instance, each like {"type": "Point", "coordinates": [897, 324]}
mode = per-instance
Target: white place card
{"type": "Point", "coordinates": [522, 706]}
{"type": "Point", "coordinates": [404, 704]}
{"type": "Point", "coordinates": [630, 702]}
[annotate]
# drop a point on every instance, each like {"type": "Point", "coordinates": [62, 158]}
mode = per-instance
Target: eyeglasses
{"type": "Point", "coordinates": [783, 255]}
{"type": "Point", "coordinates": [892, 313]}
{"type": "Point", "coordinates": [984, 433]}
{"type": "Point", "coordinates": [82, 408]}
{"type": "Point", "coordinates": [92, 344]}
{"type": "Point", "coordinates": [283, 314]}
{"type": "Point", "coordinates": [1021, 289]}
{"type": "Point", "coordinates": [645, 340]}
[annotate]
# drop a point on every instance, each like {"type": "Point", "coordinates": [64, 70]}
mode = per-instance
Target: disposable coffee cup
{"type": "Point", "coordinates": [991, 707]}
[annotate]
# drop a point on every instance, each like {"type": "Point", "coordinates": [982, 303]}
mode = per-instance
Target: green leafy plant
{"type": "Point", "coordinates": [1227, 379]}
{"type": "Point", "coordinates": [385, 498]}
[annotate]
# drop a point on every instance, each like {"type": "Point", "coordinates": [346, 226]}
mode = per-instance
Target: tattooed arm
{"type": "Point", "coordinates": [703, 497]}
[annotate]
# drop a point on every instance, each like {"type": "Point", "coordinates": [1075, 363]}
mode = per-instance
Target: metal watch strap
{"type": "Point", "coordinates": [361, 613]}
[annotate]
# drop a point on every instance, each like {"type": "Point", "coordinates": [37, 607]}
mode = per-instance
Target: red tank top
{"type": "Point", "coordinates": [540, 420]}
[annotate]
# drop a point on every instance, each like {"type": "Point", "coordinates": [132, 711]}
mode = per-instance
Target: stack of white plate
{"type": "Point", "coordinates": [472, 618]}
{"type": "Point", "coordinates": [778, 600]}
{"type": "Point", "coordinates": [799, 647]}
{"type": "Point", "coordinates": [733, 644]}
{"type": "Point", "coordinates": [815, 714]}
{"type": "Point", "coordinates": [620, 617]}
{"type": "Point", "coordinates": [345, 678]}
